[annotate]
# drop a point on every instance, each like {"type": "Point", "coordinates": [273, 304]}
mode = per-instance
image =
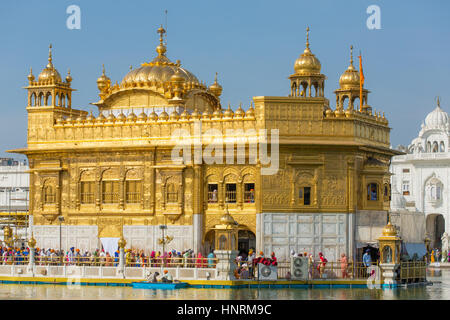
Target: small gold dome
{"type": "Point", "coordinates": [239, 112]}
{"type": "Point", "coordinates": [184, 115]}
{"type": "Point", "coordinates": [90, 118]}
{"type": "Point", "coordinates": [195, 114]}
{"type": "Point", "coordinates": [121, 116]}
{"type": "Point", "coordinates": [163, 115]}
{"type": "Point", "coordinates": [307, 63]}
{"type": "Point", "coordinates": [103, 82]}
{"type": "Point", "coordinates": [250, 112]}
{"type": "Point", "coordinates": [111, 117]}
{"type": "Point", "coordinates": [215, 88]}
{"type": "Point", "coordinates": [389, 230]}
{"type": "Point", "coordinates": [350, 78]}
{"type": "Point", "coordinates": [177, 77]}
{"type": "Point", "coordinates": [69, 77]}
{"type": "Point", "coordinates": [174, 115]}
{"type": "Point", "coordinates": [217, 114]}
{"type": "Point", "coordinates": [31, 76]}
{"type": "Point", "coordinates": [228, 113]}
{"type": "Point", "coordinates": [101, 117]}
{"type": "Point", "coordinates": [227, 219]}
{"type": "Point", "coordinates": [131, 116]}
{"type": "Point", "coordinates": [206, 115]}
{"type": "Point", "coordinates": [80, 118]}
{"type": "Point", "coordinates": [32, 242]}
{"type": "Point", "coordinates": [49, 72]}
{"type": "Point", "coordinates": [122, 242]}
{"type": "Point", "coordinates": [142, 116]}
{"type": "Point", "coordinates": [153, 116]}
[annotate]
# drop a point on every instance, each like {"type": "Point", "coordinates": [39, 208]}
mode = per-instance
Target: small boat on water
{"type": "Point", "coordinates": [159, 285]}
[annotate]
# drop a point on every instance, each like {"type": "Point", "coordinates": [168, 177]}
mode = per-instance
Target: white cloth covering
{"type": "Point", "coordinates": [110, 245]}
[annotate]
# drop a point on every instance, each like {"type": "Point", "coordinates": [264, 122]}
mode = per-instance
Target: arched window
{"type": "Point", "coordinates": [434, 190]}
{"type": "Point", "coordinates": [171, 193]}
{"type": "Point", "coordinates": [41, 99]}
{"type": "Point", "coordinates": [442, 147]}
{"type": "Point", "coordinates": [133, 187]}
{"type": "Point", "coordinates": [63, 100]}
{"type": "Point", "coordinates": [387, 254]}
{"type": "Point", "coordinates": [372, 192]}
{"type": "Point", "coordinates": [428, 146]}
{"type": "Point", "coordinates": [33, 99]}
{"type": "Point", "coordinates": [48, 99]}
{"type": "Point", "coordinates": [49, 193]}
{"type": "Point", "coordinates": [304, 85]}
{"type": "Point", "coordinates": [435, 147]}
{"type": "Point", "coordinates": [57, 100]}
{"type": "Point", "coordinates": [87, 188]}
{"type": "Point", "coordinates": [294, 89]}
{"type": "Point", "coordinates": [110, 187]}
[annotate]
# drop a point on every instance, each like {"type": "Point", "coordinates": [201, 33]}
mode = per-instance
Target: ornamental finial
{"type": "Point", "coordinates": [50, 65]}
{"type": "Point", "coordinates": [307, 37]}
{"type": "Point", "coordinates": [438, 102]}
{"type": "Point", "coordinates": [161, 32]}
{"type": "Point", "coordinates": [351, 55]}
{"type": "Point", "coordinates": [103, 69]}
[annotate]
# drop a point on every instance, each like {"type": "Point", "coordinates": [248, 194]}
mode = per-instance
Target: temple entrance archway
{"type": "Point", "coordinates": [246, 241]}
{"type": "Point", "coordinates": [435, 226]}
{"type": "Point", "coordinates": [208, 242]}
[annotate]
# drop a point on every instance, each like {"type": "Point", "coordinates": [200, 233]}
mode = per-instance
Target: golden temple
{"type": "Point", "coordinates": [113, 174]}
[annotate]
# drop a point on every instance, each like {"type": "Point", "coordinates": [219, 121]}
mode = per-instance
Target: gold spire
{"type": "Point", "coordinates": [438, 102]}
{"type": "Point", "coordinates": [50, 64]}
{"type": "Point", "coordinates": [161, 49]}
{"type": "Point", "coordinates": [351, 55]}
{"type": "Point", "coordinates": [307, 37]}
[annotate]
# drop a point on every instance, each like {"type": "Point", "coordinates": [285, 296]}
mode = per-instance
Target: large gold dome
{"type": "Point", "coordinates": [160, 70]}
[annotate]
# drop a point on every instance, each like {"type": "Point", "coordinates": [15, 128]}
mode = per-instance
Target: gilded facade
{"type": "Point", "coordinates": [115, 172]}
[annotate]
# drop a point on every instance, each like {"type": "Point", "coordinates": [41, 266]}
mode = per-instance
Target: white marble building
{"type": "Point", "coordinates": [421, 178]}
{"type": "Point", "coordinates": [14, 189]}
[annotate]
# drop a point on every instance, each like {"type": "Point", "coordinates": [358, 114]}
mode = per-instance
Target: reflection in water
{"type": "Point", "coordinates": [439, 291]}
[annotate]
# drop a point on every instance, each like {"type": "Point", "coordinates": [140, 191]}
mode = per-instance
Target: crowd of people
{"type": "Point", "coordinates": [133, 257]}
{"type": "Point", "coordinates": [246, 263]}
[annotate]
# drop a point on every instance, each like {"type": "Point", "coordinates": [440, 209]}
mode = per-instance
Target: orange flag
{"type": "Point", "coordinates": [361, 82]}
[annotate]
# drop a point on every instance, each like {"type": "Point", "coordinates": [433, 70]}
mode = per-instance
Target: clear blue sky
{"type": "Point", "coordinates": [251, 44]}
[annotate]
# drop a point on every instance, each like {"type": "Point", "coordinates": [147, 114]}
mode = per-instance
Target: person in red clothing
{"type": "Point", "coordinates": [322, 263]}
{"type": "Point", "coordinates": [273, 259]}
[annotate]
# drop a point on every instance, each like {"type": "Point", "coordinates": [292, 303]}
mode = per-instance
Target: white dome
{"type": "Point", "coordinates": [436, 119]}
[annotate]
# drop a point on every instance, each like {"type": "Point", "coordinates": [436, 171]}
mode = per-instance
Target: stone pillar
{"type": "Point", "coordinates": [388, 271]}
{"type": "Point", "coordinates": [198, 232]}
{"type": "Point", "coordinates": [259, 230]}
{"type": "Point", "coordinates": [31, 245]}
{"type": "Point", "coordinates": [121, 269]}
{"type": "Point", "coordinates": [225, 264]}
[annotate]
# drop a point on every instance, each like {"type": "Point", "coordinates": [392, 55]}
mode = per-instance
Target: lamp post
{"type": "Point", "coordinates": [60, 220]}
{"type": "Point", "coordinates": [164, 240]}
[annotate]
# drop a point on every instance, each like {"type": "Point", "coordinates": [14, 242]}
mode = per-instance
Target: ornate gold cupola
{"type": "Point", "coordinates": [307, 75]}
{"type": "Point", "coordinates": [49, 90]}
{"type": "Point", "coordinates": [349, 87]}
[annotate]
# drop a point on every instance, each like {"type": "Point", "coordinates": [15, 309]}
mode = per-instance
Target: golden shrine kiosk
{"type": "Point", "coordinates": [113, 173]}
